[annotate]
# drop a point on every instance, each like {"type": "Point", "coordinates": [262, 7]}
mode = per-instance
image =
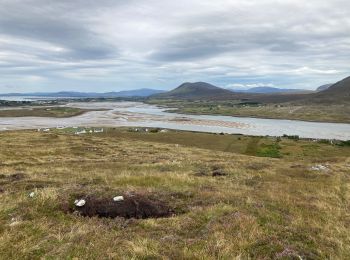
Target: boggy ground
{"type": "Point", "coordinates": [257, 207]}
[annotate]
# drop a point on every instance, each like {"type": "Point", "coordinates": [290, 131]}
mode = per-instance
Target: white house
{"type": "Point", "coordinates": [100, 130]}
{"type": "Point", "coordinates": [80, 132]}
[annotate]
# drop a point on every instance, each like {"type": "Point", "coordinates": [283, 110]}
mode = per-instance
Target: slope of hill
{"type": "Point", "coordinates": [323, 87]}
{"type": "Point", "coordinates": [337, 93]}
{"type": "Point", "coordinates": [197, 90]}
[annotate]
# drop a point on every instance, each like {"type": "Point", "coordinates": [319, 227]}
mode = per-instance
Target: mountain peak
{"type": "Point", "coordinates": [196, 90]}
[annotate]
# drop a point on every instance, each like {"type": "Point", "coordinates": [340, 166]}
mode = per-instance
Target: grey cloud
{"type": "Point", "coordinates": [56, 23]}
{"type": "Point", "coordinates": [213, 42]}
{"type": "Point", "coordinates": [70, 42]}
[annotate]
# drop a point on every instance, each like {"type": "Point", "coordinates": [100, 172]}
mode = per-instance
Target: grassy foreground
{"type": "Point", "coordinates": [262, 208]}
{"type": "Point", "coordinates": [59, 112]}
{"type": "Point", "coordinates": [320, 113]}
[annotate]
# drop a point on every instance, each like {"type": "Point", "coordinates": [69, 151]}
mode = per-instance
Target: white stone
{"type": "Point", "coordinates": [319, 168]}
{"type": "Point", "coordinates": [118, 198]}
{"type": "Point", "coordinates": [79, 203]}
{"type": "Point", "coordinates": [32, 194]}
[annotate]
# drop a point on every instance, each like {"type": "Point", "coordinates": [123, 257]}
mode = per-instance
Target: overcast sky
{"type": "Point", "coordinates": [111, 45]}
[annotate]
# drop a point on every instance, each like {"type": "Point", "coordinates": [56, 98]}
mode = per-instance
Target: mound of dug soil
{"type": "Point", "coordinates": [135, 206]}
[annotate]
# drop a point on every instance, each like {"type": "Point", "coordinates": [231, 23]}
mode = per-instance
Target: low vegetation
{"type": "Point", "coordinates": [218, 197]}
{"type": "Point", "coordinates": [8, 103]}
{"type": "Point", "coordinates": [43, 112]}
{"type": "Point", "coordinates": [311, 112]}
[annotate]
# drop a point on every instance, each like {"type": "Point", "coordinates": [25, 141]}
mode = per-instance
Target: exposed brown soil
{"type": "Point", "coordinates": [17, 176]}
{"type": "Point", "coordinates": [217, 171]}
{"type": "Point", "coordinates": [13, 177]}
{"type": "Point", "coordinates": [133, 206]}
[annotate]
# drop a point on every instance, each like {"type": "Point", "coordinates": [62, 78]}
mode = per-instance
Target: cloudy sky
{"type": "Point", "coordinates": [106, 45]}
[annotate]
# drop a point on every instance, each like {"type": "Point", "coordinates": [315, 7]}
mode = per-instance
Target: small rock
{"type": "Point", "coordinates": [15, 221]}
{"type": "Point", "coordinates": [118, 198]}
{"type": "Point", "coordinates": [32, 194]}
{"type": "Point", "coordinates": [319, 168]}
{"type": "Point", "coordinates": [79, 203]}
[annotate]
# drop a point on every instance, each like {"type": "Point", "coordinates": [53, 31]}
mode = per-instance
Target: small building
{"type": "Point", "coordinates": [98, 130]}
{"type": "Point", "coordinates": [80, 132]}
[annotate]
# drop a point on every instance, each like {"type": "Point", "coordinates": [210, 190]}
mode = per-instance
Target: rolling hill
{"type": "Point", "coordinates": [206, 91]}
{"type": "Point", "coordinates": [338, 93]}
{"type": "Point", "coordinates": [197, 90]}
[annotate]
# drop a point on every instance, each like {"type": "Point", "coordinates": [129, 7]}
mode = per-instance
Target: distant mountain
{"type": "Point", "coordinates": [197, 90]}
{"type": "Point", "coordinates": [323, 87]}
{"type": "Point", "coordinates": [144, 92]}
{"type": "Point", "coordinates": [271, 90]}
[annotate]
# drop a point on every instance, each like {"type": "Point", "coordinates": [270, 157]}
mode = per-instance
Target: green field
{"type": "Point", "coordinates": [276, 198]}
{"type": "Point", "coordinates": [43, 112]}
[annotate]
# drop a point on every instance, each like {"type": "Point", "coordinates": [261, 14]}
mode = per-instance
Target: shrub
{"type": "Point", "coordinates": [344, 143]}
{"type": "Point", "coordinates": [292, 137]}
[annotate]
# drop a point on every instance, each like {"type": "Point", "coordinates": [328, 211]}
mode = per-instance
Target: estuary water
{"type": "Point", "coordinates": [138, 114]}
